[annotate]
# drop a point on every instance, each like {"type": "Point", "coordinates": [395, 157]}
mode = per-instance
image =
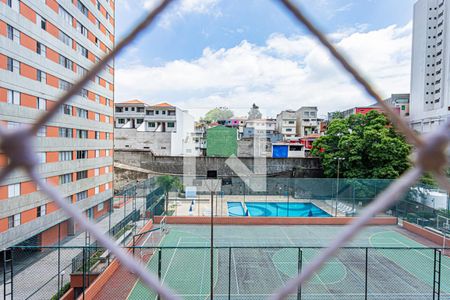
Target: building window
{"type": "Point", "coordinates": [14, 221]}
{"type": "Point", "coordinates": [82, 113]}
{"type": "Point", "coordinates": [65, 132]}
{"type": "Point", "coordinates": [84, 93]}
{"type": "Point", "coordinates": [107, 186]}
{"type": "Point", "coordinates": [41, 76]}
{"type": "Point", "coordinates": [119, 109]}
{"type": "Point", "coordinates": [97, 135]}
{"type": "Point", "coordinates": [65, 15]}
{"type": "Point", "coordinates": [107, 152]}
{"type": "Point", "coordinates": [42, 132]}
{"type": "Point", "coordinates": [65, 62]}
{"type": "Point", "coordinates": [82, 134]}
{"type": "Point", "coordinates": [121, 121]}
{"type": "Point", "coordinates": [65, 155]}
{"type": "Point", "coordinates": [83, 8]}
{"type": "Point", "coordinates": [82, 154]}
{"type": "Point", "coordinates": [13, 190]}
{"type": "Point", "coordinates": [41, 104]}
{"type": "Point", "coordinates": [41, 211]}
{"type": "Point", "coordinates": [97, 98]}
{"type": "Point", "coordinates": [97, 190]}
{"type": "Point", "coordinates": [14, 4]}
{"type": "Point", "coordinates": [65, 178]}
{"type": "Point", "coordinates": [150, 112]}
{"type": "Point", "coordinates": [83, 51]}
{"type": "Point", "coordinates": [64, 85]}
{"type": "Point", "coordinates": [42, 157]}
{"type": "Point", "coordinates": [81, 195]}
{"type": "Point", "coordinates": [170, 124]}
{"type": "Point", "coordinates": [65, 38]}
{"type": "Point", "coordinates": [13, 34]}
{"type": "Point", "coordinates": [97, 117]}
{"type": "Point", "coordinates": [82, 174]}
{"type": "Point", "coordinates": [107, 168]}
{"type": "Point", "coordinates": [100, 206]}
{"type": "Point", "coordinates": [151, 124]}
{"type": "Point", "coordinates": [96, 171]}
{"type": "Point", "coordinates": [13, 97]}
{"type": "Point", "coordinates": [13, 65]}
{"type": "Point", "coordinates": [41, 49]}
{"type": "Point", "coordinates": [97, 153]}
{"type": "Point", "coordinates": [66, 109]}
{"type": "Point", "coordinates": [41, 22]}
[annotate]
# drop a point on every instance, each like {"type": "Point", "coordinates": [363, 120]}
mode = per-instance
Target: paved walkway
{"type": "Point", "coordinates": [39, 280]}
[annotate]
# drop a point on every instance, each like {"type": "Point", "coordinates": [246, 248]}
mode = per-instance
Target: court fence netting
{"type": "Point", "coordinates": [247, 272]}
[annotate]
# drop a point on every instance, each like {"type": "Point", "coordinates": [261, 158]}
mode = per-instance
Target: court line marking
{"type": "Point", "coordinates": [235, 274]}
{"type": "Point", "coordinates": [401, 243]}
{"type": "Point", "coordinates": [146, 266]}
{"type": "Point", "coordinates": [404, 244]}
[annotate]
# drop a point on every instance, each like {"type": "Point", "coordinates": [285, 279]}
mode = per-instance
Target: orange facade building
{"type": "Point", "coordinates": [45, 46]}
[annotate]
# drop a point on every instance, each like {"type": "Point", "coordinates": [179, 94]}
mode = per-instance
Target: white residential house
{"type": "Point", "coordinates": [162, 128]}
{"type": "Point", "coordinates": [307, 121]}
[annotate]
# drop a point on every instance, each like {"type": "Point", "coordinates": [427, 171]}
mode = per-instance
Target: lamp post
{"type": "Point", "coordinates": [337, 182]}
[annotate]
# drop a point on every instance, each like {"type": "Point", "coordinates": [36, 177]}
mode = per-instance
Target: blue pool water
{"type": "Point", "coordinates": [276, 209]}
{"type": "Point", "coordinates": [235, 209]}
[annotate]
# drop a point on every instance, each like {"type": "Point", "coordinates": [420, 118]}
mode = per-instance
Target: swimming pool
{"type": "Point", "coordinates": [235, 209]}
{"type": "Point", "coordinates": [276, 209]}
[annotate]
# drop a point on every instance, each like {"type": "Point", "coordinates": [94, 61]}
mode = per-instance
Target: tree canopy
{"type": "Point", "coordinates": [218, 113]}
{"type": "Point", "coordinates": [370, 146]}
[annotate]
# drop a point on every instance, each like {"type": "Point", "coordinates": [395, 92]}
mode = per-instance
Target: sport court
{"type": "Point", "coordinates": [398, 266]}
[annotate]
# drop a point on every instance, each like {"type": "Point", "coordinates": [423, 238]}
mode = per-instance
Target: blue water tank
{"type": "Point", "coordinates": [280, 151]}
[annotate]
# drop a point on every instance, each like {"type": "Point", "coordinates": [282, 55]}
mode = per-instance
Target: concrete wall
{"type": "Point", "coordinates": [157, 142]}
{"type": "Point", "coordinates": [310, 167]}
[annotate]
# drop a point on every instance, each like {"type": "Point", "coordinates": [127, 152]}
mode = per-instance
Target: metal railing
{"type": "Point", "coordinates": [254, 272]}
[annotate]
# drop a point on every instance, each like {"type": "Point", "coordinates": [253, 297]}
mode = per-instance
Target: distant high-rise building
{"type": "Point", "coordinates": [430, 83]}
{"type": "Point", "coordinates": [46, 46]}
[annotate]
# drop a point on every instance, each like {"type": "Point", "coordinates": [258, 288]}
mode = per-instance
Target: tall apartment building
{"type": "Point", "coordinates": [45, 46]}
{"type": "Point", "coordinates": [162, 128]}
{"type": "Point", "coordinates": [430, 101]}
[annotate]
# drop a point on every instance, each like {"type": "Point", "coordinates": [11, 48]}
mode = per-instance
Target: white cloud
{"type": "Point", "coordinates": [287, 72]}
{"type": "Point", "coordinates": [184, 7]}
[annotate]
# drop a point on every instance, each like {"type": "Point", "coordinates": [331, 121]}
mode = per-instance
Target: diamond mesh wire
{"type": "Point", "coordinates": [430, 157]}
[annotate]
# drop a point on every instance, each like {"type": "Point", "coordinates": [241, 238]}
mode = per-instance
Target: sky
{"type": "Point", "coordinates": [202, 54]}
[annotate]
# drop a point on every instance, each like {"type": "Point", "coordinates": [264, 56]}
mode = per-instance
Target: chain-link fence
{"type": "Point", "coordinates": [239, 273]}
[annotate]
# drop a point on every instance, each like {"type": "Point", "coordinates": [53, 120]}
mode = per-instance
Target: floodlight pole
{"type": "Point", "coordinates": [337, 182]}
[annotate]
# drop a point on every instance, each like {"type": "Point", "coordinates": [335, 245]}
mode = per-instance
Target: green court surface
{"type": "Point", "coordinates": [251, 262]}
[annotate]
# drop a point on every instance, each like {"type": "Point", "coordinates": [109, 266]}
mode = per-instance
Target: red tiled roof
{"type": "Point", "coordinates": [163, 104]}
{"type": "Point", "coordinates": [135, 101]}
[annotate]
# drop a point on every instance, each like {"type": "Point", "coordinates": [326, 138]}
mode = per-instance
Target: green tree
{"type": "Point", "coordinates": [370, 146]}
{"type": "Point", "coordinates": [169, 183]}
{"type": "Point", "coordinates": [218, 113]}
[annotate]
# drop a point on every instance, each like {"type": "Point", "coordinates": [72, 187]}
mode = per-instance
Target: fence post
{"type": "Point", "coordinates": [83, 269]}
{"type": "Point", "coordinates": [299, 269]}
{"type": "Point", "coordinates": [134, 243]}
{"type": "Point", "coordinates": [366, 274]}
{"type": "Point", "coordinates": [59, 260]}
{"type": "Point", "coordinates": [229, 273]}
{"type": "Point", "coordinates": [159, 267]}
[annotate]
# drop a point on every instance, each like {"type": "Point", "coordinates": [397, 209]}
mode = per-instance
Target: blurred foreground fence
{"type": "Point", "coordinates": [240, 273]}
